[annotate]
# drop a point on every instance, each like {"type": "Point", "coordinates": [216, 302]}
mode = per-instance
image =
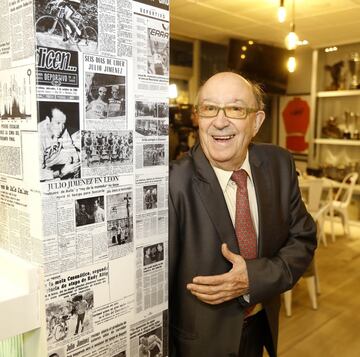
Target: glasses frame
{"type": "Point", "coordinates": [223, 108]}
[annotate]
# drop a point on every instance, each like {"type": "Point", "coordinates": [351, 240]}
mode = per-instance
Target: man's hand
{"type": "Point", "coordinates": [216, 289]}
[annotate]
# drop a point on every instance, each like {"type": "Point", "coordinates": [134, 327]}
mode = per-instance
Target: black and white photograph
{"type": "Point", "coordinates": [153, 154]}
{"type": "Point", "coordinates": [163, 128]}
{"type": "Point", "coordinates": [162, 110]}
{"type": "Point", "coordinates": [69, 25]}
{"type": "Point", "coordinates": [106, 148]}
{"type": "Point", "coordinates": [69, 317]}
{"type": "Point", "coordinates": [158, 50]}
{"type": "Point", "coordinates": [151, 109]}
{"type": "Point", "coordinates": [146, 127]}
{"type": "Point", "coordinates": [145, 109]}
{"type": "Point", "coordinates": [120, 231]}
{"type": "Point", "coordinates": [120, 216]}
{"type": "Point", "coordinates": [89, 210]}
{"type": "Point", "coordinates": [59, 140]}
{"type": "Point", "coordinates": [104, 96]}
{"type": "Point", "coordinates": [150, 344]}
{"type": "Point", "coordinates": [150, 197]}
{"type": "Point", "coordinates": [153, 253]}
{"type": "Point", "coordinates": [15, 86]}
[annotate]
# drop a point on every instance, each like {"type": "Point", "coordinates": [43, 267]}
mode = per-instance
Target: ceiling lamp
{"type": "Point", "coordinates": [281, 12]}
{"type": "Point", "coordinates": [291, 39]}
{"type": "Point", "coordinates": [291, 63]}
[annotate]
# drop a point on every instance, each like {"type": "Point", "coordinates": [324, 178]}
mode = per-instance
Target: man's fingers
{"type": "Point", "coordinates": [204, 289]}
{"type": "Point", "coordinates": [215, 298]}
{"type": "Point", "coordinates": [228, 254]}
{"type": "Point", "coordinates": [210, 280]}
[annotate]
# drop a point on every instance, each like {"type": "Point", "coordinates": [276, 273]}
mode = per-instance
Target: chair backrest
{"type": "Point", "coordinates": [346, 189]}
{"type": "Point", "coordinates": [314, 194]}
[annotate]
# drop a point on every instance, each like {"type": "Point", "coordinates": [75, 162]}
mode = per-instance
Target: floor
{"type": "Point", "coordinates": [334, 329]}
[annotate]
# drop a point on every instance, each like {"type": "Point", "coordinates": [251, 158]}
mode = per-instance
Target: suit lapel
{"type": "Point", "coordinates": [213, 199]}
{"type": "Point", "coordinates": [262, 179]}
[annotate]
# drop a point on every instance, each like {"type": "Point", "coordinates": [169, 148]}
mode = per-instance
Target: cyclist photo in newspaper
{"type": "Point", "coordinates": [69, 317]}
{"type": "Point", "coordinates": [104, 96]}
{"type": "Point", "coordinates": [67, 24]}
{"type": "Point", "coordinates": [104, 150]}
{"type": "Point", "coordinates": [158, 52]}
{"type": "Point", "coordinates": [59, 140]}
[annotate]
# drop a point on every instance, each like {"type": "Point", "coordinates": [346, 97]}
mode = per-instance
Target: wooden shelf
{"type": "Point", "coordinates": [346, 142]}
{"type": "Point", "coordinates": [338, 93]}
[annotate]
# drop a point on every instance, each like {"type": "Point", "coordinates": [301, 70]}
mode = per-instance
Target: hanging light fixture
{"type": "Point", "coordinates": [291, 63]}
{"type": "Point", "coordinates": [281, 11]}
{"type": "Point", "coordinates": [291, 39]}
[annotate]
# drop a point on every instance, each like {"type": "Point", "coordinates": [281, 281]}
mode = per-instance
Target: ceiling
{"type": "Point", "coordinates": [322, 22]}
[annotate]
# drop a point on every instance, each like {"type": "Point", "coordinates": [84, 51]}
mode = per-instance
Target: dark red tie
{"type": "Point", "coordinates": [244, 228]}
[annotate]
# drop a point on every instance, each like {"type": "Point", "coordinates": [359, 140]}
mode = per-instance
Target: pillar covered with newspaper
{"type": "Point", "coordinates": [83, 170]}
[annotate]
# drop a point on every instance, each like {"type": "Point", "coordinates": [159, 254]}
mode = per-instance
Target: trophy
{"type": "Point", "coordinates": [336, 76]}
{"type": "Point", "coordinates": [354, 68]}
{"type": "Point", "coordinates": [356, 134]}
{"type": "Point", "coordinates": [346, 133]}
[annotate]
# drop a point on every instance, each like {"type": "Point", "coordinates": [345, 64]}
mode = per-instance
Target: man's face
{"type": "Point", "coordinates": [115, 93]}
{"type": "Point", "coordinates": [224, 140]}
{"type": "Point", "coordinates": [82, 208]}
{"type": "Point", "coordinates": [102, 92]}
{"type": "Point", "coordinates": [96, 204]}
{"type": "Point", "coordinates": [57, 123]}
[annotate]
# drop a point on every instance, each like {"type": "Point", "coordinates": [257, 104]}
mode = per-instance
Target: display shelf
{"type": "Point", "coordinates": [338, 142]}
{"type": "Point", "coordinates": [19, 295]}
{"type": "Point", "coordinates": [338, 93]}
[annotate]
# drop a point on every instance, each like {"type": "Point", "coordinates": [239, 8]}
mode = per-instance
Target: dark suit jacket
{"type": "Point", "coordinates": [200, 223]}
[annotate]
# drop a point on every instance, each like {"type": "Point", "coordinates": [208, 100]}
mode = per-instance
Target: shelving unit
{"type": "Point", "coordinates": [340, 142]}
{"type": "Point", "coordinates": [324, 151]}
{"type": "Point", "coordinates": [326, 103]}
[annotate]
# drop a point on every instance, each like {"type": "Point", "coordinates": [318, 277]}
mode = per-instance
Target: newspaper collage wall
{"type": "Point", "coordinates": [83, 167]}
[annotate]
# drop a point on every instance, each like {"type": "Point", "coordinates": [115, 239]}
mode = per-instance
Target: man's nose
{"type": "Point", "coordinates": [221, 120]}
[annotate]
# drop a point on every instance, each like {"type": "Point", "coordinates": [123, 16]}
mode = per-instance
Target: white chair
{"type": "Point", "coordinates": [318, 208]}
{"type": "Point", "coordinates": [342, 200]}
{"type": "Point", "coordinates": [312, 283]}
{"type": "Point", "coordinates": [318, 212]}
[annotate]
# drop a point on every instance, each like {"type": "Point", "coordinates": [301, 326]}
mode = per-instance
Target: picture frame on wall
{"type": "Point", "coordinates": [294, 124]}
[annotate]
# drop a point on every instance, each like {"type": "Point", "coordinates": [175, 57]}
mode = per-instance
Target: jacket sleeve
{"type": "Point", "coordinates": [269, 276]}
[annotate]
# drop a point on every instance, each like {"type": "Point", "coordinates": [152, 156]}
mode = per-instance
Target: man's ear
{"type": "Point", "coordinates": [259, 119]}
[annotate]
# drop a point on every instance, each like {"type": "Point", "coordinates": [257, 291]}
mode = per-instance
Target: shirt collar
{"type": "Point", "coordinates": [224, 176]}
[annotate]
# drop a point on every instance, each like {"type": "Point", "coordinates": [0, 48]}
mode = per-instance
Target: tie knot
{"type": "Point", "coordinates": [240, 178]}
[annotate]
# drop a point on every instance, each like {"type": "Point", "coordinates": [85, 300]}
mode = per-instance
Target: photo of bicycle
{"type": "Point", "coordinates": [66, 24]}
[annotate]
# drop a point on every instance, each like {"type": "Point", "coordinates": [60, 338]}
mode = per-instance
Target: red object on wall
{"type": "Point", "coordinates": [296, 117]}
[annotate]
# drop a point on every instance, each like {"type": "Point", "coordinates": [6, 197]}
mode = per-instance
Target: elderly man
{"type": "Point", "coordinates": [59, 157]}
{"type": "Point", "coordinates": [239, 232]}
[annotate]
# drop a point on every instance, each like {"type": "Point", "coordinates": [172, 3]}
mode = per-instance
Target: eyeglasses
{"type": "Point", "coordinates": [232, 111]}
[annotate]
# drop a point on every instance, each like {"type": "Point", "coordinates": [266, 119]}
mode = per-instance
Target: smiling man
{"type": "Point", "coordinates": [239, 232]}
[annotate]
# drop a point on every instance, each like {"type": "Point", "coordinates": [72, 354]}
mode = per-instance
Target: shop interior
{"type": "Point", "coordinates": [306, 56]}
